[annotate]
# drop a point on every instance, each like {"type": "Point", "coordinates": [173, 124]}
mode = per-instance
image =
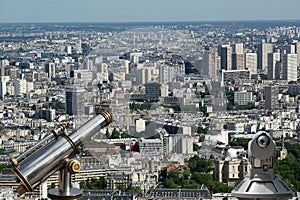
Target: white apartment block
{"type": "Point", "coordinates": [289, 67]}
{"type": "Point", "coordinates": [251, 62]}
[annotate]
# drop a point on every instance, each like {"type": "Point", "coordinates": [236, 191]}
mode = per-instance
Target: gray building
{"type": "Point", "coordinates": [274, 65]}
{"type": "Point", "coordinates": [271, 97]}
{"type": "Point", "coordinates": [243, 97]}
{"type": "Point", "coordinates": [152, 91]}
{"type": "Point", "coordinates": [75, 100]}
{"type": "Point", "coordinates": [225, 52]}
{"type": "Point", "coordinates": [263, 50]}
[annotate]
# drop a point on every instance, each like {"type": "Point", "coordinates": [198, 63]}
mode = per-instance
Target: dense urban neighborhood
{"type": "Point", "coordinates": [185, 97]}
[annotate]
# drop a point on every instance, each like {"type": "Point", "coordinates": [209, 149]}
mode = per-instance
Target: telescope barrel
{"type": "Point", "coordinates": [38, 145]}
{"type": "Point", "coordinates": [41, 164]}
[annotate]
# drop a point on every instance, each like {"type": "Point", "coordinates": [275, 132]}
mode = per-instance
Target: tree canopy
{"type": "Point", "coordinates": [288, 168]}
{"type": "Point", "coordinates": [198, 173]}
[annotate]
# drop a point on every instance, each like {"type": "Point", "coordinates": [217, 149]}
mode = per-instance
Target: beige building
{"type": "Point", "coordinates": [231, 170]}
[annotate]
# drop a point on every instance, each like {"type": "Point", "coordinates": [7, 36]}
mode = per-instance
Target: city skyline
{"type": "Point", "coordinates": [150, 11]}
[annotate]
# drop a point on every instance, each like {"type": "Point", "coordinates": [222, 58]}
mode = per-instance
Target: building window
{"type": "Point", "coordinates": [233, 169]}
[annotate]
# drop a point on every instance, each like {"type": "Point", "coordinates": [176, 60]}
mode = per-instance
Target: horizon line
{"type": "Point", "coordinates": [180, 21]}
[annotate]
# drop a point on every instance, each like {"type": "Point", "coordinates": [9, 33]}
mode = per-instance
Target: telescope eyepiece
{"type": "Point", "coordinates": [263, 141]}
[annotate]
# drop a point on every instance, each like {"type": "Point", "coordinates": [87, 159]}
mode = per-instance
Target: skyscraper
{"type": "Point", "coordinates": [225, 52]}
{"type": "Point", "coordinates": [288, 48]}
{"type": "Point", "coordinates": [209, 64]}
{"type": "Point", "coordinates": [289, 67]}
{"type": "Point", "coordinates": [274, 66]}
{"type": "Point", "coordinates": [251, 62]}
{"type": "Point", "coordinates": [152, 92]}
{"type": "Point", "coordinates": [3, 81]}
{"type": "Point", "coordinates": [75, 100]}
{"type": "Point", "coordinates": [263, 50]}
{"type": "Point", "coordinates": [50, 69]}
{"type": "Point", "coordinates": [238, 59]}
{"type": "Point", "coordinates": [168, 72]}
{"type": "Point", "coordinates": [271, 97]}
{"type": "Point", "coordinates": [20, 86]}
{"type": "Point", "coordinates": [298, 53]}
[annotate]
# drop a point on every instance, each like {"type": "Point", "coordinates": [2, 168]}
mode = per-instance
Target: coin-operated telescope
{"type": "Point", "coordinates": [262, 183]}
{"type": "Point", "coordinates": [57, 152]}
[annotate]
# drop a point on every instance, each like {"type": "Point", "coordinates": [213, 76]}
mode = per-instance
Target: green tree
{"type": "Point", "coordinates": [201, 130]}
{"type": "Point", "coordinates": [94, 184]}
{"type": "Point", "coordinates": [134, 189]}
{"type": "Point", "coordinates": [288, 168]}
{"type": "Point", "coordinates": [115, 134]}
{"type": "Point", "coordinates": [169, 183]}
{"type": "Point", "coordinates": [197, 164]}
{"type": "Point", "coordinates": [4, 166]}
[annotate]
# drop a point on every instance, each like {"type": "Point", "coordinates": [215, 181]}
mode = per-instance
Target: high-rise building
{"type": "Point", "coordinates": [168, 72]}
{"type": "Point", "coordinates": [50, 69]}
{"type": "Point", "coordinates": [47, 114]}
{"type": "Point", "coordinates": [152, 92]}
{"type": "Point", "coordinates": [20, 86]}
{"type": "Point", "coordinates": [289, 67]}
{"type": "Point", "coordinates": [238, 58]}
{"type": "Point", "coordinates": [251, 62]}
{"type": "Point", "coordinates": [177, 144]}
{"type": "Point", "coordinates": [288, 48]}
{"type": "Point", "coordinates": [263, 50]}
{"type": "Point", "coordinates": [298, 53]}
{"type": "Point", "coordinates": [274, 66]}
{"type": "Point", "coordinates": [271, 97]}
{"type": "Point", "coordinates": [3, 81]}
{"type": "Point", "coordinates": [164, 88]}
{"type": "Point", "coordinates": [225, 51]}
{"type": "Point", "coordinates": [69, 50]}
{"type": "Point", "coordinates": [238, 48]}
{"type": "Point", "coordinates": [75, 100]}
{"type": "Point", "coordinates": [209, 64]}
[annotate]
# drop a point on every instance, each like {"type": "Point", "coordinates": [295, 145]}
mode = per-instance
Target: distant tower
{"type": "Point", "coordinates": [289, 67]}
{"type": "Point", "coordinates": [75, 100]}
{"type": "Point", "coordinates": [3, 81]}
{"type": "Point", "coordinates": [69, 50]}
{"type": "Point", "coordinates": [238, 59]}
{"type": "Point", "coordinates": [79, 47]}
{"type": "Point", "coordinates": [271, 97]}
{"type": "Point", "coordinates": [298, 53]}
{"type": "Point", "coordinates": [251, 62]}
{"type": "Point", "coordinates": [50, 69]}
{"type": "Point", "coordinates": [225, 52]}
{"type": "Point", "coordinates": [141, 76]}
{"type": "Point", "coordinates": [20, 86]}
{"type": "Point", "coordinates": [263, 50]}
{"type": "Point", "coordinates": [289, 48]}
{"type": "Point", "coordinates": [153, 91]}
{"type": "Point", "coordinates": [209, 64]}
{"type": "Point", "coordinates": [274, 66]}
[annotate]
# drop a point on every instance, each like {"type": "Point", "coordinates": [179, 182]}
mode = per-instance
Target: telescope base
{"type": "Point", "coordinates": [55, 194]}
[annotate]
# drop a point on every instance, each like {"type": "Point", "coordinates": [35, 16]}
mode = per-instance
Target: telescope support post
{"type": "Point", "coordinates": [65, 190]}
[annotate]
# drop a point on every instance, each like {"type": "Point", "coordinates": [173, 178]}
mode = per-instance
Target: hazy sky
{"type": "Point", "coordinates": [150, 10]}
